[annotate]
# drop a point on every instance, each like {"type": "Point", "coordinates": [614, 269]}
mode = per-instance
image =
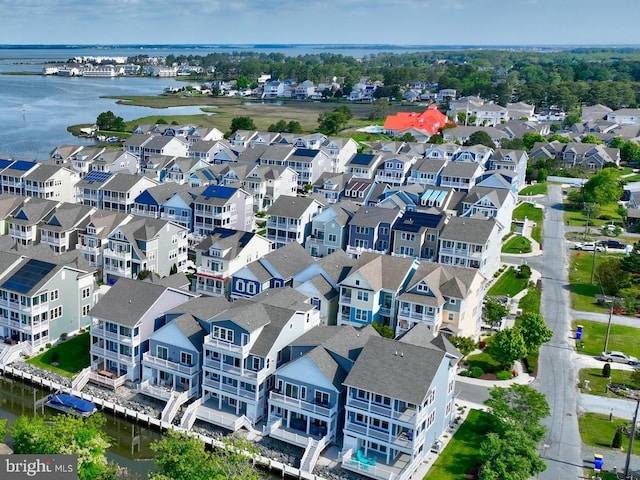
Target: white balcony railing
{"type": "Point", "coordinates": [218, 344]}
{"type": "Point", "coordinates": [408, 415]}
{"type": "Point", "coordinates": [325, 411]}
{"type": "Point", "coordinates": [152, 360]}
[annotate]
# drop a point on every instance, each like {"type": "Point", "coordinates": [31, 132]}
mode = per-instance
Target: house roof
{"type": "Point", "coordinates": [461, 169]}
{"type": "Point", "coordinates": [292, 207]}
{"type": "Point", "coordinates": [471, 230]}
{"type": "Point", "coordinates": [67, 216]}
{"type": "Point", "coordinates": [383, 271]}
{"type": "Point", "coordinates": [395, 369]}
{"type": "Point", "coordinates": [231, 240]}
{"type": "Point", "coordinates": [345, 341]}
{"type": "Point", "coordinates": [431, 120]}
{"type": "Point", "coordinates": [421, 336]}
{"type": "Point", "coordinates": [337, 265]}
{"type": "Point", "coordinates": [33, 211]}
{"type": "Point", "coordinates": [497, 196]}
{"type": "Point", "coordinates": [418, 221]}
{"type": "Point", "coordinates": [28, 276]}
{"type": "Point", "coordinates": [369, 216]}
{"type": "Point", "coordinates": [287, 260]}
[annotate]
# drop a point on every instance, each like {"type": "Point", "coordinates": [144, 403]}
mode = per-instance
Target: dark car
{"type": "Point", "coordinates": [616, 244]}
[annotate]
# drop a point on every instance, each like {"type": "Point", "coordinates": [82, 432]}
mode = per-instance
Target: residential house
{"type": "Point", "coordinates": [290, 219]}
{"type": "Point", "coordinates": [361, 190]}
{"type": "Point", "coordinates": [123, 320]}
{"type": "Point", "coordinates": [576, 154]}
{"type": "Point", "coordinates": [340, 150]}
{"type": "Point", "coordinates": [331, 186]}
{"type": "Point", "coordinates": [180, 170]}
{"type": "Point", "coordinates": [520, 111]}
{"type": "Point", "coordinates": [364, 165]}
{"type": "Point", "coordinates": [488, 202]}
{"type": "Point", "coordinates": [447, 299]}
{"type": "Point", "coordinates": [144, 245]}
{"type": "Point", "coordinates": [219, 206]}
{"type": "Point", "coordinates": [172, 367]}
{"type": "Point", "coordinates": [370, 229]}
{"type": "Point", "coordinates": [9, 205]}
{"type": "Point", "coordinates": [330, 229]}
{"type": "Point", "coordinates": [221, 254]}
{"type": "Point", "coordinates": [120, 190]}
{"type": "Point", "coordinates": [415, 235]}
{"type": "Point", "coordinates": [273, 89]}
{"type": "Point", "coordinates": [93, 239]}
{"type": "Point", "coordinates": [60, 229]}
{"type": "Point", "coordinates": [395, 168]}
{"type": "Point", "coordinates": [512, 161]}
{"type": "Point", "coordinates": [51, 182]}
{"type": "Point", "coordinates": [400, 402]}
{"type": "Point", "coordinates": [267, 183]}
{"type": "Point", "coordinates": [241, 354]}
{"type": "Point", "coordinates": [24, 226]}
{"type": "Point", "coordinates": [155, 167]}
{"type": "Point", "coordinates": [460, 175]}
{"type": "Point", "coordinates": [426, 171]}
{"type": "Point", "coordinates": [309, 164]}
{"type": "Point", "coordinates": [308, 400]}
{"type": "Point", "coordinates": [311, 141]}
{"type": "Point", "coordinates": [274, 270]}
{"type": "Point", "coordinates": [179, 209]}
{"type": "Point", "coordinates": [82, 159]}
{"type": "Point", "coordinates": [150, 202]}
{"type": "Point", "coordinates": [210, 150]}
{"type": "Point", "coordinates": [461, 134]}
{"type": "Point", "coordinates": [14, 175]}
{"type": "Point", "coordinates": [41, 301]}
{"type": "Point", "coordinates": [369, 292]}
{"type": "Point", "coordinates": [471, 242]}
{"type": "Point", "coordinates": [162, 145]}
{"type": "Point", "coordinates": [624, 116]}
{"type": "Point", "coordinates": [429, 122]}
{"type": "Point", "coordinates": [115, 161]}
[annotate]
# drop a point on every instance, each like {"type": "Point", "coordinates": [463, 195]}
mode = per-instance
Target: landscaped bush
{"type": "Point", "coordinates": [476, 372]}
{"type": "Point", "coordinates": [504, 375]}
{"type": "Point", "coordinates": [464, 373]}
{"type": "Point", "coordinates": [606, 370]}
{"type": "Point", "coordinates": [524, 271]}
{"type": "Point", "coordinates": [617, 440]}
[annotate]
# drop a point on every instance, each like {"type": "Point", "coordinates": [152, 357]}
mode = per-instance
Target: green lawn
{"type": "Point", "coordinates": [621, 338]}
{"type": "Point", "coordinates": [582, 291]}
{"type": "Point", "coordinates": [72, 356]}
{"type": "Point", "coordinates": [517, 244]}
{"type": "Point", "coordinates": [598, 383]}
{"type": "Point", "coordinates": [531, 301]}
{"type": "Point", "coordinates": [508, 284]}
{"type": "Point", "coordinates": [484, 361]}
{"type": "Point", "coordinates": [577, 218]}
{"type": "Point", "coordinates": [597, 431]}
{"type": "Point", "coordinates": [537, 189]}
{"type": "Point", "coordinates": [462, 453]}
{"type": "Point", "coordinates": [534, 214]}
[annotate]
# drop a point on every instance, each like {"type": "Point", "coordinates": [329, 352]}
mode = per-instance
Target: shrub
{"type": "Point", "coordinates": [604, 216]}
{"type": "Point", "coordinates": [617, 440]}
{"type": "Point", "coordinates": [476, 372]}
{"type": "Point", "coordinates": [482, 344]}
{"type": "Point", "coordinates": [606, 370]}
{"type": "Point", "coordinates": [524, 271]}
{"type": "Point", "coordinates": [63, 336]}
{"type": "Point", "coordinates": [504, 375]}
{"type": "Point", "coordinates": [48, 345]}
{"type": "Point", "coordinates": [464, 373]}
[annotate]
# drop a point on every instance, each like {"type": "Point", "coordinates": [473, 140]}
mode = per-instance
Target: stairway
{"type": "Point", "coordinates": [311, 454]}
{"type": "Point", "coordinates": [171, 408]}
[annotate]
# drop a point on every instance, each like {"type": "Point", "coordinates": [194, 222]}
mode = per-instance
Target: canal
{"type": "Point", "coordinates": [130, 441]}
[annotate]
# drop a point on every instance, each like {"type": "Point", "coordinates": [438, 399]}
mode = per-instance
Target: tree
{"type": "Point", "coordinates": [279, 126]}
{"type": "Point", "coordinates": [109, 121]}
{"type": "Point", "coordinates": [380, 110]}
{"type": "Point", "coordinates": [183, 457]}
{"type": "Point", "coordinates": [437, 139]}
{"type": "Point", "coordinates": [383, 330]}
{"type": "Point", "coordinates": [512, 144]}
{"type": "Point", "coordinates": [507, 346]}
{"type": "Point", "coordinates": [617, 439]}
{"type": "Point", "coordinates": [331, 123]}
{"type": "Point", "coordinates": [606, 370]}
{"type": "Point", "coordinates": [242, 82]}
{"type": "Point", "coordinates": [611, 276]}
{"type": "Point", "coordinates": [466, 345]}
{"type": "Point", "coordinates": [242, 123]}
{"type": "Point", "coordinates": [344, 110]}
{"type": "Point", "coordinates": [530, 139]}
{"type": "Point", "coordinates": [480, 137]}
{"type": "Point", "coordinates": [407, 137]}
{"type": "Point", "coordinates": [511, 456]}
{"type": "Point", "coordinates": [603, 188]}
{"type": "Point", "coordinates": [592, 139]}
{"type": "Point", "coordinates": [494, 312]}
{"type": "Point", "coordinates": [571, 119]}
{"type": "Point", "coordinates": [66, 434]}
{"type": "Point", "coordinates": [519, 406]}
{"type": "Point", "coordinates": [534, 330]}
{"type": "Point", "coordinates": [294, 127]}
{"type": "Point", "coordinates": [630, 151]}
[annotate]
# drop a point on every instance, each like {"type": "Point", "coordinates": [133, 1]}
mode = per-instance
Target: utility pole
{"type": "Point", "coordinates": [606, 338]}
{"type": "Point", "coordinates": [593, 261]}
{"type": "Point", "coordinates": [631, 436]}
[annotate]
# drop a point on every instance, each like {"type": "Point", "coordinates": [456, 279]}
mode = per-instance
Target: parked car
{"type": "Point", "coordinates": [614, 356]}
{"type": "Point", "coordinates": [613, 244]}
{"type": "Point", "coordinates": [589, 247]}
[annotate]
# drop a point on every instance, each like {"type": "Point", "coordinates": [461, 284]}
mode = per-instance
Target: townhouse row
{"type": "Point", "coordinates": [267, 363]}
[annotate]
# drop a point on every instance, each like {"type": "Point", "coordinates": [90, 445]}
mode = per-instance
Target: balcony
{"type": "Point", "coordinates": [345, 300]}
{"type": "Point", "coordinates": [145, 212]}
{"type": "Point", "coordinates": [100, 331]}
{"type": "Point", "coordinates": [122, 254]}
{"type": "Point", "coordinates": [209, 290]}
{"type": "Point", "coordinates": [28, 234]}
{"type": "Point", "coordinates": [412, 315]}
{"type": "Point", "coordinates": [151, 360]}
{"type": "Point", "coordinates": [373, 467]}
{"type": "Point", "coordinates": [218, 366]}
{"type": "Point", "coordinates": [19, 307]}
{"type": "Point", "coordinates": [106, 377]}
{"type": "Point", "coordinates": [110, 354]}
{"type": "Point", "coordinates": [399, 441]}
{"type": "Point", "coordinates": [218, 344]}
{"type": "Point", "coordinates": [460, 252]}
{"type": "Point", "coordinates": [407, 416]}
{"type": "Point", "coordinates": [277, 399]}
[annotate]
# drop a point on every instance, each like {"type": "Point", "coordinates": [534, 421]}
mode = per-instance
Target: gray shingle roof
{"type": "Point", "coordinates": [395, 369]}
{"type": "Point", "coordinates": [383, 271]}
{"type": "Point", "coordinates": [191, 329]}
{"type": "Point", "coordinates": [287, 260]}
{"type": "Point", "coordinates": [68, 216]}
{"type": "Point", "coordinates": [292, 207]}
{"type": "Point", "coordinates": [471, 230]}
{"type": "Point", "coordinates": [368, 216]}
{"type": "Point", "coordinates": [345, 341]}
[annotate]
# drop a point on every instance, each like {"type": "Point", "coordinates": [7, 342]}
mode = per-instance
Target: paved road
{"type": "Point", "coordinates": [561, 447]}
{"type": "Point", "coordinates": [604, 318]}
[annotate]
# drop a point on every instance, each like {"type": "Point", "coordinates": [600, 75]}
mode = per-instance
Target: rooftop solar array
{"type": "Point", "coordinates": [97, 176]}
{"type": "Point", "coordinates": [23, 165]}
{"type": "Point", "coordinates": [306, 152]}
{"type": "Point", "coordinates": [4, 163]}
{"type": "Point", "coordinates": [361, 159]}
{"type": "Point", "coordinates": [414, 221]}
{"type": "Point", "coordinates": [28, 276]}
{"type": "Point", "coordinates": [216, 191]}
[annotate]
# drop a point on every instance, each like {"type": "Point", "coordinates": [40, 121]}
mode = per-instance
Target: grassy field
{"type": "Point", "coordinates": [508, 284]}
{"type": "Point", "coordinates": [582, 291]}
{"type": "Point", "coordinates": [537, 189]}
{"type": "Point", "coordinates": [597, 431]}
{"type": "Point", "coordinates": [219, 111]}
{"type": "Point", "coordinates": [485, 361]}
{"type": "Point", "coordinates": [598, 384]}
{"type": "Point", "coordinates": [531, 301]}
{"type": "Point", "coordinates": [462, 454]}
{"type": "Point", "coordinates": [621, 338]}
{"type": "Point", "coordinates": [577, 218]}
{"type": "Point", "coordinates": [517, 244]}
{"type": "Point", "coordinates": [71, 356]}
{"type": "Point", "coordinates": [534, 214]}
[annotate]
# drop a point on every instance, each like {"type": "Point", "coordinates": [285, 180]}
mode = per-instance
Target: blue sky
{"type": "Point", "coordinates": [400, 22]}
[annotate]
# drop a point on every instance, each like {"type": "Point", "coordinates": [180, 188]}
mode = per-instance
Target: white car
{"type": "Point", "coordinates": [589, 247]}
{"type": "Point", "coordinates": [613, 356]}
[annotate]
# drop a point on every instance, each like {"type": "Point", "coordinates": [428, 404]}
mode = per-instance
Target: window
{"type": "Point", "coordinates": [332, 237]}
{"type": "Point", "coordinates": [86, 292]}
{"type": "Point", "coordinates": [55, 313]}
{"type": "Point", "coordinates": [321, 398]}
{"type": "Point", "coordinates": [223, 334]}
{"type": "Point", "coordinates": [363, 296]}
{"type": "Point", "coordinates": [384, 230]}
{"type": "Point", "coordinates": [240, 285]}
{"type": "Point", "coordinates": [186, 358]}
{"type": "Point", "coordinates": [54, 295]}
{"type": "Point", "coordinates": [452, 301]}
{"type": "Point", "coordinates": [408, 236]}
{"type": "Point", "coordinates": [162, 352]}
{"type": "Point", "coordinates": [85, 310]}
{"type": "Point", "coordinates": [423, 287]}
{"type": "Point", "coordinates": [362, 230]}
{"type": "Point", "coordinates": [360, 315]}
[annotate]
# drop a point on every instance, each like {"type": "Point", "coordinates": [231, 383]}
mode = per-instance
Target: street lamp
{"type": "Point", "coordinates": [631, 435]}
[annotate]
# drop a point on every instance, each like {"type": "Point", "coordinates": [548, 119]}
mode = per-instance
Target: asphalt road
{"type": "Point", "coordinates": [561, 447]}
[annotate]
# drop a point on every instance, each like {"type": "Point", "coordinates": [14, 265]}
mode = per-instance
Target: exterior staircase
{"type": "Point", "coordinates": [79, 382]}
{"type": "Point", "coordinates": [311, 454]}
{"type": "Point", "coordinates": [171, 408]}
{"type": "Point", "coordinates": [189, 417]}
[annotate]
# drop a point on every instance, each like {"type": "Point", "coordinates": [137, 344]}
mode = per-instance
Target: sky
{"type": "Point", "coordinates": [395, 22]}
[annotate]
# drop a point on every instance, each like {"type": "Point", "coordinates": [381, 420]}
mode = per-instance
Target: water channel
{"type": "Point", "coordinates": [130, 441]}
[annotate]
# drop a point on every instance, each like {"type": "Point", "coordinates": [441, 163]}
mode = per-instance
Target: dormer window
{"type": "Point", "coordinates": [215, 252]}
{"type": "Point", "coordinates": [423, 288]}
{"type": "Point", "coordinates": [224, 334]}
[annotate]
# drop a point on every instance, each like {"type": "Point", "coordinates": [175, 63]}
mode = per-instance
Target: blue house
{"type": "Point", "coordinates": [149, 203]}
{"type": "Point", "coordinates": [179, 209]}
{"type": "Point", "coordinates": [370, 229]}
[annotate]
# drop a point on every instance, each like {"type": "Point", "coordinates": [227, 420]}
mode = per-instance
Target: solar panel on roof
{"type": "Point", "coordinates": [361, 159]}
{"type": "Point", "coordinates": [306, 152]}
{"type": "Point", "coordinates": [216, 191]}
{"type": "Point", "coordinates": [28, 276]}
{"type": "Point", "coordinates": [97, 176]}
{"type": "Point", "coordinates": [23, 165]}
{"type": "Point", "coordinates": [4, 163]}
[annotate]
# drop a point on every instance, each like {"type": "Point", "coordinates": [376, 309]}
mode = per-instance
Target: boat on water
{"type": "Point", "coordinates": [70, 404]}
